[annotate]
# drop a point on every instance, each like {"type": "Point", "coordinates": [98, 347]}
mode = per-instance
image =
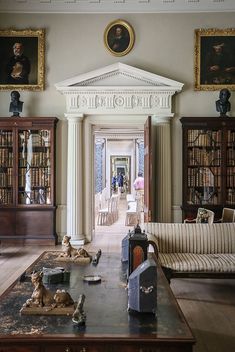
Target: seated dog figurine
{"type": "Point", "coordinates": [70, 252]}
{"type": "Point", "coordinates": [43, 297]}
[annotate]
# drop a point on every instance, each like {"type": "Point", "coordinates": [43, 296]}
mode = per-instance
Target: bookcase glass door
{"type": "Point", "coordinates": [6, 167]}
{"type": "Point", "coordinates": [230, 170]}
{"type": "Point", "coordinates": [34, 174]}
{"type": "Point", "coordinates": [204, 166]}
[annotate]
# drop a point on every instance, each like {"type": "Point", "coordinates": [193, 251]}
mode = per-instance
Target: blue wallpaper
{"type": "Point", "coordinates": [141, 158]}
{"type": "Point", "coordinates": [99, 148]}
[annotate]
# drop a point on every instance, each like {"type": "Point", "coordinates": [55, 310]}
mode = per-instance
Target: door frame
{"type": "Point", "coordinates": [90, 123]}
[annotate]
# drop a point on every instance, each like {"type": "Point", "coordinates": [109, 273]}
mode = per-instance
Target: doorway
{"type": "Point", "coordinates": [116, 152]}
{"type": "Point", "coordinates": [120, 172]}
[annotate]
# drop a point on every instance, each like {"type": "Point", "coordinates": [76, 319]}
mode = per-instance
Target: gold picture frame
{"type": "Point", "coordinates": [119, 37]}
{"type": "Point", "coordinates": [22, 59]}
{"type": "Point", "coordinates": [214, 59]}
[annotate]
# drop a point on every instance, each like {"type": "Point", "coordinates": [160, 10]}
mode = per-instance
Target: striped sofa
{"type": "Point", "coordinates": [194, 250]}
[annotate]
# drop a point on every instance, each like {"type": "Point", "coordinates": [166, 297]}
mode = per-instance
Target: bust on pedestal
{"type": "Point", "coordinates": [16, 105]}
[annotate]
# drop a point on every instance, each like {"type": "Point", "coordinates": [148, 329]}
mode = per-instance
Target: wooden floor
{"type": "Point", "coordinates": [208, 305]}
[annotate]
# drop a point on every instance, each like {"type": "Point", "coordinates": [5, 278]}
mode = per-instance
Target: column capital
{"type": "Point", "coordinates": [74, 117]}
{"type": "Point", "coordinates": [162, 119]}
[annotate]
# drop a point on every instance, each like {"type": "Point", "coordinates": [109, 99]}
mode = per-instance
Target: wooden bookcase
{"type": "Point", "coordinates": [208, 164]}
{"type": "Point", "coordinates": [27, 179]}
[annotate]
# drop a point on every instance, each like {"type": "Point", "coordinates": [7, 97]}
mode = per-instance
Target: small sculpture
{"type": "Point", "coordinates": [79, 317]}
{"type": "Point", "coordinates": [223, 105]}
{"type": "Point", "coordinates": [16, 105]}
{"type": "Point", "coordinates": [96, 258]}
{"type": "Point", "coordinates": [70, 252]}
{"type": "Point", "coordinates": [43, 297]}
{"type": "Point", "coordinates": [202, 216]}
{"type": "Point", "coordinates": [63, 299]}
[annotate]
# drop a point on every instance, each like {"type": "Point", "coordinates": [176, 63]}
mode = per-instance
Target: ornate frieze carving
{"type": "Point", "coordinates": [87, 101]}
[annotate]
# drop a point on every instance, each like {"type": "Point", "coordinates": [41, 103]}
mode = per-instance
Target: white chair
{"type": "Point", "coordinates": [228, 215]}
{"type": "Point", "coordinates": [131, 214]}
{"type": "Point", "coordinates": [105, 214]}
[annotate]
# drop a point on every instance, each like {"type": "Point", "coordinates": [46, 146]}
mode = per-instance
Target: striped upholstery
{"type": "Point", "coordinates": [223, 263]}
{"type": "Point", "coordinates": [195, 247]}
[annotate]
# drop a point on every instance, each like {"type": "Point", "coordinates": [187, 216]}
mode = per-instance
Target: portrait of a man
{"type": "Point", "coordinates": [18, 66]}
{"type": "Point", "coordinates": [119, 38]}
{"type": "Point", "coordinates": [22, 59]}
{"type": "Point", "coordinates": [219, 61]}
{"type": "Point", "coordinates": [215, 59]}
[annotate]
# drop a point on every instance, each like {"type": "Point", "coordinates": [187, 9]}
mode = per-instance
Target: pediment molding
{"type": "Point", "coordinates": [119, 88]}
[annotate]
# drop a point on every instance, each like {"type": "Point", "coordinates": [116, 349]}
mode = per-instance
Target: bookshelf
{"type": "Point", "coordinates": [27, 179]}
{"type": "Point", "coordinates": [208, 164]}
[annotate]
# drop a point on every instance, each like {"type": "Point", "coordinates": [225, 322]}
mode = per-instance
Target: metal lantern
{"type": "Point", "coordinates": [138, 249]}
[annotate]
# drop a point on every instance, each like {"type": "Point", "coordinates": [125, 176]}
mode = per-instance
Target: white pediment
{"type": "Point", "coordinates": [119, 75]}
{"type": "Point", "coordinates": [119, 89]}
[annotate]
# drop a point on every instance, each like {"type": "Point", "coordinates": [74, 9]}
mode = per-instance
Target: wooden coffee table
{"type": "Point", "coordinates": [109, 327]}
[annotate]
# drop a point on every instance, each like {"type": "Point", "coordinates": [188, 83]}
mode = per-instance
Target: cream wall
{"type": "Point", "coordinates": [74, 45]}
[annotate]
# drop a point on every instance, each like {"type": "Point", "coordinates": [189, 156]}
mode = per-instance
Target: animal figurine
{"type": "Point", "coordinates": [70, 252]}
{"type": "Point", "coordinates": [41, 296]}
{"type": "Point", "coordinates": [63, 299]}
{"type": "Point", "coordinates": [202, 215]}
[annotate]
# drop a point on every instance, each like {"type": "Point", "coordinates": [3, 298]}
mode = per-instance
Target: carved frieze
{"type": "Point", "coordinates": [86, 101]}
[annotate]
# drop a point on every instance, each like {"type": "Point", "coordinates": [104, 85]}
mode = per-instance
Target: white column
{"type": "Point", "coordinates": [163, 169]}
{"type": "Point", "coordinates": [75, 180]}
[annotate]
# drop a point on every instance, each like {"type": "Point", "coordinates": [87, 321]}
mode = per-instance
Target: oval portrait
{"type": "Point", "coordinates": [119, 37]}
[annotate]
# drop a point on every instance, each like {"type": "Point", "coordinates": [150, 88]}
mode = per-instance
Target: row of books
{"type": "Point", "coordinates": [40, 196]}
{"type": "Point", "coordinates": [6, 196]}
{"type": "Point", "coordinates": [6, 157]}
{"type": "Point", "coordinates": [6, 178]}
{"type": "Point", "coordinates": [200, 157]}
{"type": "Point", "coordinates": [204, 138]}
{"type": "Point", "coordinates": [6, 138]}
{"type": "Point", "coordinates": [34, 177]}
{"type": "Point", "coordinates": [38, 138]}
{"type": "Point", "coordinates": [230, 196]}
{"type": "Point", "coordinates": [204, 177]}
{"type": "Point", "coordinates": [231, 137]}
{"type": "Point", "coordinates": [200, 198]}
{"type": "Point", "coordinates": [231, 156]}
{"type": "Point", "coordinates": [40, 159]}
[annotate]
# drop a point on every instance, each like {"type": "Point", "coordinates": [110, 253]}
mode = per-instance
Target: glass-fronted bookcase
{"type": "Point", "coordinates": [27, 179]}
{"type": "Point", "coordinates": [208, 164]}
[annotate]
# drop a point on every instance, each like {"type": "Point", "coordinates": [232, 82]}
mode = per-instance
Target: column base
{"type": "Point", "coordinates": [77, 242]}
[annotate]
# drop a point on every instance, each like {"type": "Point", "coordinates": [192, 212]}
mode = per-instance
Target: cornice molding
{"type": "Point", "coordinates": [115, 6]}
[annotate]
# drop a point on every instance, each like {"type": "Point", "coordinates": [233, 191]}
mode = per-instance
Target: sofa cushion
{"type": "Point", "coordinates": [190, 262]}
{"type": "Point", "coordinates": [193, 238]}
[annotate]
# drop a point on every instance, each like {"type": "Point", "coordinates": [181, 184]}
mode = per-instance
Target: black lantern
{"type": "Point", "coordinates": [138, 249]}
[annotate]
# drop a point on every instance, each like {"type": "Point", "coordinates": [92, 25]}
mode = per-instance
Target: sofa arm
{"type": "Point", "coordinates": [152, 240]}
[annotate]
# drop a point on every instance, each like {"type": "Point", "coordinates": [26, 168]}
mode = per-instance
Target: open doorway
{"type": "Point", "coordinates": [118, 158]}
{"type": "Point", "coordinates": [120, 172]}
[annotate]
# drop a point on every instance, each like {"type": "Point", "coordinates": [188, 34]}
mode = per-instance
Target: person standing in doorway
{"type": "Point", "coordinates": [120, 182]}
{"type": "Point", "coordinates": [139, 182]}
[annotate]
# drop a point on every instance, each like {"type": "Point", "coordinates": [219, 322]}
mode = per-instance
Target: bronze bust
{"type": "Point", "coordinates": [223, 105]}
{"type": "Point", "coordinates": [16, 105]}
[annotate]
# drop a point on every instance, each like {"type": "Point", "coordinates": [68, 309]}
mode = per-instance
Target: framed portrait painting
{"type": "Point", "coordinates": [119, 38]}
{"type": "Point", "coordinates": [22, 59]}
{"type": "Point", "coordinates": [214, 59]}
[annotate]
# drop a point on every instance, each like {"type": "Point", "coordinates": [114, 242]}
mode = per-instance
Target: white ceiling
{"type": "Point", "coordinates": [116, 6]}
